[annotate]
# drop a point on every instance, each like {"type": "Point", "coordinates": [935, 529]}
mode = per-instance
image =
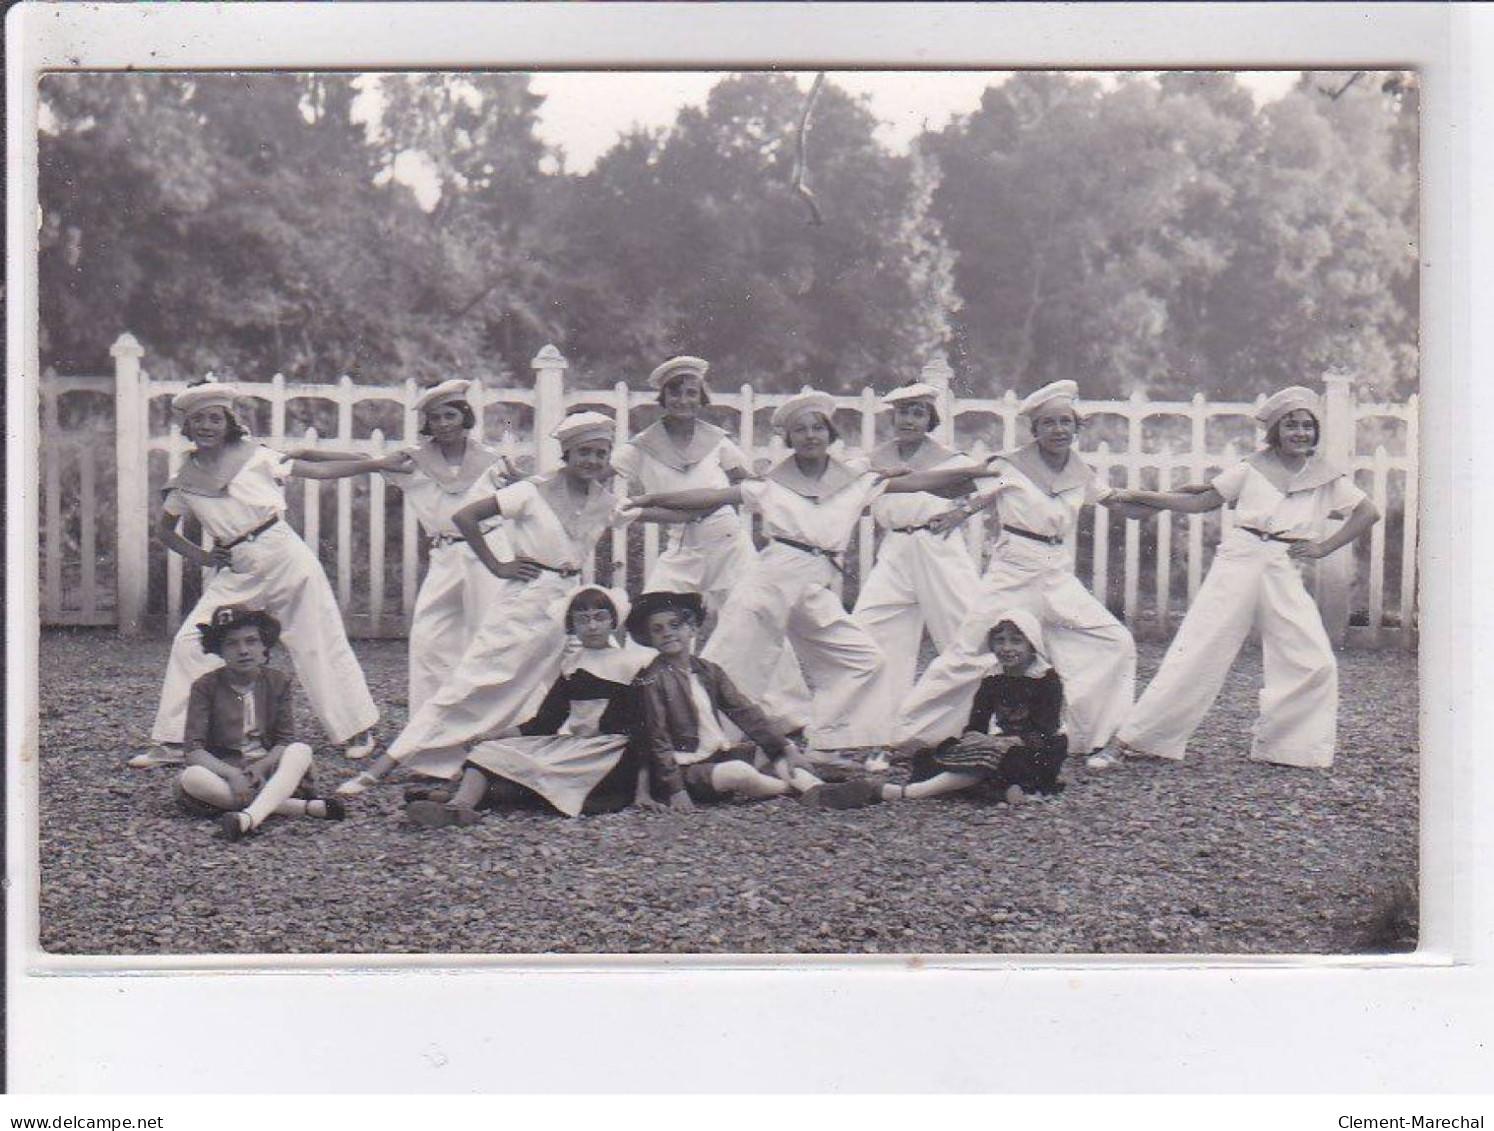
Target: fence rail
{"type": "Point", "coordinates": [370, 544]}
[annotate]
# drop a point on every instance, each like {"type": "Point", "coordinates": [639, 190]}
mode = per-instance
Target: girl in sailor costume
{"type": "Point", "coordinates": [810, 504]}
{"type": "Point", "coordinates": [921, 578]}
{"type": "Point", "coordinates": [572, 751]}
{"type": "Point", "coordinates": [1041, 489]}
{"type": "Point", "coordinates": [710, 551]}
{"type": "Point", "coordinates": [448, 462]}
{"type": "Point", "coordinates": [1283, 496]}
{"type": "Point", "coordinates": [235, 488]}
{"type": "Point", "coordinates": [553, 523]}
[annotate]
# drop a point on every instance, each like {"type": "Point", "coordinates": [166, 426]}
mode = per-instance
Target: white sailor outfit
{"type": "Point", "coordinates": [1253, 583]}
{"type": "Point", "coordinates": [241, 506]}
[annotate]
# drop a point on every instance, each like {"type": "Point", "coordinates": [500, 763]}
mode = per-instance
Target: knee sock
{"type": "Point", "coordinates": [739, 777]}
{"type": "Point", "coordinates": [201, 784]}
{"type": "Point", "coordinates": [283, 782]}
{"type": "Point", "coordinates": [936, 786]}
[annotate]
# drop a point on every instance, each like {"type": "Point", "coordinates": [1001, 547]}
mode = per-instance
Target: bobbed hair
{"type": "Point", "coordinates": [469, 418]}
{"type": "Point", "coordinates": [705, 394]}
{"type": "Point", "coordinates": [584, 602]}
{"type": "Point", "coordinates": [231, 435]}
{"type": "Point", "coordinates": [1273, 433]}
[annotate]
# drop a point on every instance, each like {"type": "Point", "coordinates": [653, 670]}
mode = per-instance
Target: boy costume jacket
{"type": "Point", "coordinates": [215, 712]}
{"type": "Point", "coordinates": [669, 723]}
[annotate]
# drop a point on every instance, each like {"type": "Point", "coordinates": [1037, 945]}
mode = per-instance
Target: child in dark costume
{"type": "Point", "coordinates": [1012, 744]}
{"type": "Point", "coordinates": [573, 751]}
{"type": "Point", "coordinates": [685, 750]}
{"type": "Point", "coordinates": [243, 762]}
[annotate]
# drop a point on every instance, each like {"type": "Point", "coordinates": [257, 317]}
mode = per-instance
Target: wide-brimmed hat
{"type": "Point", "coordinates": [661, 601]}
{"type": "Point", "coordinates": [226, 618]}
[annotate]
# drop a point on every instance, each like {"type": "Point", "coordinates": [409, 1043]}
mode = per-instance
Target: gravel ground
{"type": "Point", "coordinates": [1217, 855]}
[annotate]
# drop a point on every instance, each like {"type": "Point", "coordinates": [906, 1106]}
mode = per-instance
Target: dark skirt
{"type": "Point", "coordinates": [1033, 766]}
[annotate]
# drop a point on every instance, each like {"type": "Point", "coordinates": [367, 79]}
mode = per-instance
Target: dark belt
{"type": "Point", "coordinates": [1045, 539]}
{"type": "Point", "coordinates": [439, 540]}
{"type": "Point", "coordinates": [1268, 536]}
{"type": "Point", "coordinates": [564, 571]}
{"type": "Point", "coordinates": [251, 535]}
{"type": "Point", "coordinates": [829, 555]}
{"type": "Point", "coordinates": [910, 529]}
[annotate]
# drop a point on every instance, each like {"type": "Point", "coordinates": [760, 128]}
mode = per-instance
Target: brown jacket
{"type": "Point", "coordinates": [215, 714]}
{"type": "Point", "coordinates": [667, 720]}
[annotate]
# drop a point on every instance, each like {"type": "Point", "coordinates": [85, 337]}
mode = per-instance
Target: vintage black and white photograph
{"type": "Point", "coordinates": [762, 512]}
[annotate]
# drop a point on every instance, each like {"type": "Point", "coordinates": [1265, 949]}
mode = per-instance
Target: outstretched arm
{"type": "Point", "coordinates": [1186, 502]}
{"type": "Point", "coordinates": [700, 500]}
{"type": "Point", "coordinates": [950, 483]}
{"type": "Point", "coordinates": [342, 469]}
{"type": "Point", "coordinates": [1361, 518]}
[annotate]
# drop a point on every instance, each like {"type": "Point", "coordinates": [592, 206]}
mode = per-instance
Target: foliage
{"type": "Point", "coordinates": [1163, 234]}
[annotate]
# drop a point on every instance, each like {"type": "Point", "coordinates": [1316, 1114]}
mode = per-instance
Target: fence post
{"type": "Point", "coordinates": [936, 372]}
{"type": "Point", "coordinates": [132, 482]}
{"type": "Point", "coordinates": [1336, 572]}
{"type": "Point", "coordinates": [549, 405]}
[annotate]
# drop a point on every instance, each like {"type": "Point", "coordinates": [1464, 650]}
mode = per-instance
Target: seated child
{"type": "Point", "coordinates": [242, 761]}
{"type": "Point", "coordinates": [573, 752]}
{"type": "Point", "coordinates": [681, 699]}
{"type": "Point", "coordinates": [1023, 696]}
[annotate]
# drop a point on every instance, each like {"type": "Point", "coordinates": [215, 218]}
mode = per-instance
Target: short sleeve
{"type": "Point", "coordinates": [626, 461]}
{"type": "Point", "coordinates": [732, 457]}
{"type": "Point", "coordinates": [754, 492]}
{"type": "Point", "coordinates": [174, 504]}
{"type": "Point", "coordinates": [1231, 481]}
{"type": "Point", "coordinates": [279, 465]}
{"type": "Point", "coordinates": [1343, 494]}
{"type": "Point", "coordinates": [515, 499]}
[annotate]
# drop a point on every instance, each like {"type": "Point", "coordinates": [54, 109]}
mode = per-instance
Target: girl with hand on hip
{"type": "Point", "coordinates": [553, 523]}
{"type": "Point", "coordinates": [1283, 496]}
{"type": "Point", "coordinates": [235, 488]}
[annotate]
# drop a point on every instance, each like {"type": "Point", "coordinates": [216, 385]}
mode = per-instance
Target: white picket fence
{"type": "Point", "coordinates": [149, 586]}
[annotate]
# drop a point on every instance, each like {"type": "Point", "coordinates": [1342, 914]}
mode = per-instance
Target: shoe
{"type": "Point", "coordinates": [430, 815]}
{"type": "Point", "coordinates": [159, 754]}
{"type": "Point", "coordinates": [361, 747]}
{"type": "Point", "coordinates": [231, 828]}
{"type": "Point", "coordinates": [336, 809]}
{"type": "Point", "coordinates": [855, 794]}
{"type": "Point", "coordinates": [1107, 759]}
{"type": "Point", "coordinates": [356, 785]}
{"type": "Point", "coordinates": [1015, 796]}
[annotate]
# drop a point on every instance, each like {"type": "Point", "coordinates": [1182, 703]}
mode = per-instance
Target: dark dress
{"type": "Point", "coordinates": [1029, 708]}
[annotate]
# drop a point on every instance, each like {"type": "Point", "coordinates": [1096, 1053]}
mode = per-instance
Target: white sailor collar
{"type": "Point", "coordinates": [660, 445]}
{"type": "Point", "coordinates": [453, 480]}
{"type": "Point", "coordinates": [614, 663]}
{"type": "Point", "coordinates": [194, 479]}
{"type": "Point", "coordinates": [838, 474]}
{"type": "Point", "coordinates": [1317, 472]}
{"type": "Point", "coordinates": [1029, 461]}
{"type": "Point", "coordinates": [930, 454]}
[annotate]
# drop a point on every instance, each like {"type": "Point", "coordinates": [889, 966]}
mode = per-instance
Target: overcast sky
{"type": "Point", "coordinates": [585, 113]}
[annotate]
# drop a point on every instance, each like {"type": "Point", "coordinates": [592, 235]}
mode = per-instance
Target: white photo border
{"type": "Point", "coordinates": [1309, 1022]}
